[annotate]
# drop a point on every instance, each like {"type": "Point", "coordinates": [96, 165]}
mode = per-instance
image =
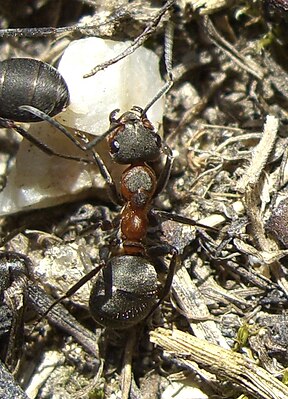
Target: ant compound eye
{"type": "Point", "coordinates": [114, 146]}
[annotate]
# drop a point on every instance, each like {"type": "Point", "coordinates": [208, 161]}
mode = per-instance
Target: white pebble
{"type": "Point", "coordinates": [134, 80]}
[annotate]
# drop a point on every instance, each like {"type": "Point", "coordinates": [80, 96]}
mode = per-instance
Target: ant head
{"type": "Point", "coordinates": [134, 138]}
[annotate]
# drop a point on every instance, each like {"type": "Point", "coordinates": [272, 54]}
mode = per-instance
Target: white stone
{"type": "Point", "coordinates": [38, 180]}
{"type": "Point", "coordinates": [135, 80]}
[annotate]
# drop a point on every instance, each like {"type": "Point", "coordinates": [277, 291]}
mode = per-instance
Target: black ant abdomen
{"type": "Point", "coordinates": [125, 292]}
{"type": "Point", "coordinates": [33, 91]}
{"type": "Point", "coordinates": [26, 81]}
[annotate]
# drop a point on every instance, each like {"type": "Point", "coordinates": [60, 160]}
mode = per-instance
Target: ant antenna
{"type": "Point", "coordinates": [102, 136]}
{"type": "Point", "coordinates": [168, 52]}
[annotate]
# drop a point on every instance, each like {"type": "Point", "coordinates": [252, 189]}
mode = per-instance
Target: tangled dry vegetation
{"type": "Point", "coordinates": [222, 332]}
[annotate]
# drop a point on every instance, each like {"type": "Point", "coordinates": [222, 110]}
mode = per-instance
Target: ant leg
{"type": "Point", "coordinates": [101, 165]}
{"type": "Point", "coordinates": [5, 123]}
{"type": "Point", "coordinates": [45, 117]}
{"type": "Point", "coordinates": [168, 50]}
{"type": "Point", "coordinates": [174, 263]}
{"type": "Point", "coordinates": [83, 280]}
{"type": "Point", "coordinates": [60, 317]}
{"type": "Point", "coordinates": [181, 219]}
{"type": "Point", "coordinates": [113, 193]}
{"type": "Point", "coordinates": [162, 250]}
{"type": "Point", "coordinates": [165, 173]}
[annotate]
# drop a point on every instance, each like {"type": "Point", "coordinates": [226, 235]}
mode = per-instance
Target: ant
{"type": "Point", "coordinates": [127, 290]}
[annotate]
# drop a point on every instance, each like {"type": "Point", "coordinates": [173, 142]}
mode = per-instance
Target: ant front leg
{"type": "Point", "coordinates": [113, 193]}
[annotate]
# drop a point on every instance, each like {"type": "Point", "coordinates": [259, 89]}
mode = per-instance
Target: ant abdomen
{"type": "Point", "coordinates": [25, 81]}
{"type": "Point", "coordinates": [125, 292]}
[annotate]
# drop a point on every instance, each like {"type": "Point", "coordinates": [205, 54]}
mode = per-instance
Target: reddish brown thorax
{"type": "Point", "coordinates": [138, 185]}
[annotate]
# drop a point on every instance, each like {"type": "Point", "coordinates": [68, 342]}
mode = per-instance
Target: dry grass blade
{"type": "Point", "coordinates": [222, 362]}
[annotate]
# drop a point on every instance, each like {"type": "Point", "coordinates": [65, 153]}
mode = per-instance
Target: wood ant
{"type": "Point", "coordinates": [127, 290]}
